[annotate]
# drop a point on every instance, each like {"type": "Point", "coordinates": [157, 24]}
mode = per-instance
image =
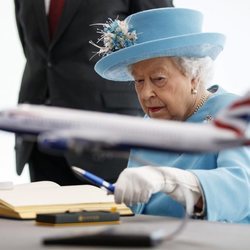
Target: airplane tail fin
{"type": "Point", "coordinates": [236, 117]}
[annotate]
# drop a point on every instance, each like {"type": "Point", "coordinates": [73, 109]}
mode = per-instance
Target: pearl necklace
{"type": "Point", "coordinates": [203, 99]}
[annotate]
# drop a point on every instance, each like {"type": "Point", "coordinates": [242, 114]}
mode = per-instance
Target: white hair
{"type": "Point", "coordinates": [202, 68]}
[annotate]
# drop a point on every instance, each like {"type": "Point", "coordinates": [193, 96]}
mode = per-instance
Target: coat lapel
{"type": "Point", "coordinates": [70, 8]}
{"type": "Point", "coordinates": [39, 8]}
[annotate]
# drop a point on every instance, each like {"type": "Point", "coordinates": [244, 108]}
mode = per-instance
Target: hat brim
{"type": "Point", "coordinates": [115, 65]}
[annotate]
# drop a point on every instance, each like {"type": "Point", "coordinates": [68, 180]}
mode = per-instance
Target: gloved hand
{"type": "Point", "coordinates": [136, 185]}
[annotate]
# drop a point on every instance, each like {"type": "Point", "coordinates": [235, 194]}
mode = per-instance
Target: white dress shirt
{"type": "Point", "coordinates": [47, 3]}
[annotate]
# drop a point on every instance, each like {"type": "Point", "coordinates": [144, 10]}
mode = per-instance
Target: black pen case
{"type": "Point", "coordinates": [85, 217]}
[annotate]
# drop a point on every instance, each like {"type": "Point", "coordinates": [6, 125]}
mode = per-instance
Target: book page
{"type": "Point", "coordinates": [54, 195]}
{"type": "Point", "coordinates": [37, 184]}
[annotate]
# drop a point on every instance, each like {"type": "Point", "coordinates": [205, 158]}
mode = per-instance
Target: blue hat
{"type": "Point", "coordinates": [154, 33]}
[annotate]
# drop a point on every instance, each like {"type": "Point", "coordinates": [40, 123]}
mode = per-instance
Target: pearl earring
{"type": "Point", "coordinates": [194, 91]}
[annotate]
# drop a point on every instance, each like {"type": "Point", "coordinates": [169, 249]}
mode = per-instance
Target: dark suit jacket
{"type": "Point", "coordinates": [59, 72]}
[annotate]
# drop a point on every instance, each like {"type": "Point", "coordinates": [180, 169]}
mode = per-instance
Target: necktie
{"type": "Point", "coordinates": [55, 11]}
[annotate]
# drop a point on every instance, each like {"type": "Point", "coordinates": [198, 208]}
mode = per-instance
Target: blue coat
{"type": "Point", "coordinates": [226, 186]}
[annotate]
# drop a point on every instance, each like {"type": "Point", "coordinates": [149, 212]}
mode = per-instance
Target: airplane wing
{"type": "Point", "coordinates": [67, 129]}
{"type": "Point", "coordinates": [76, 140]}
{"type": "Point", "coordinates": [174, 140]}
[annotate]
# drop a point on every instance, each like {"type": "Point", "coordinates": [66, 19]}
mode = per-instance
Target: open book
{"type": "Point", "coordinates": [26, 200]}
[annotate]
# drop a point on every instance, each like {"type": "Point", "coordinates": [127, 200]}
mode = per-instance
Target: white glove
{"type": "Point", "coordinates": [136, 185]}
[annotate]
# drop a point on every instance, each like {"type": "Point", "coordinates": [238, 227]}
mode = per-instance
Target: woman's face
{"type": "Point", "coordinates": [163, 90]}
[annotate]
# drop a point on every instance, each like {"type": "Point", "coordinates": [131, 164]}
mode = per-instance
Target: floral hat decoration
{"type": "Point", "coordinates": [115, 36]}
{"type": "Point", "coordinates": [150, 34]}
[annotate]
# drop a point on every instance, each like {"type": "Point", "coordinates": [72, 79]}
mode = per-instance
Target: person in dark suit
{"type": "Point", "coordinates": [59, 72]}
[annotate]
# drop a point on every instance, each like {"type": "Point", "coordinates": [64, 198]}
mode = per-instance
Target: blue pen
{"type": "Point", "coordinates": [94, 179]}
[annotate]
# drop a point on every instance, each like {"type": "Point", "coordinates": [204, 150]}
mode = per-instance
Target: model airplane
{"type": "Point", "coordinates": [63, 129]}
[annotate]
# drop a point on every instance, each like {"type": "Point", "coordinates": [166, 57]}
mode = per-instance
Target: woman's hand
{"type": "Point", "coordinates": [136, 185]}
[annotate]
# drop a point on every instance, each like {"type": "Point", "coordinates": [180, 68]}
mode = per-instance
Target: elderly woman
{"type": "Point", "coordinates": [170, 60]}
